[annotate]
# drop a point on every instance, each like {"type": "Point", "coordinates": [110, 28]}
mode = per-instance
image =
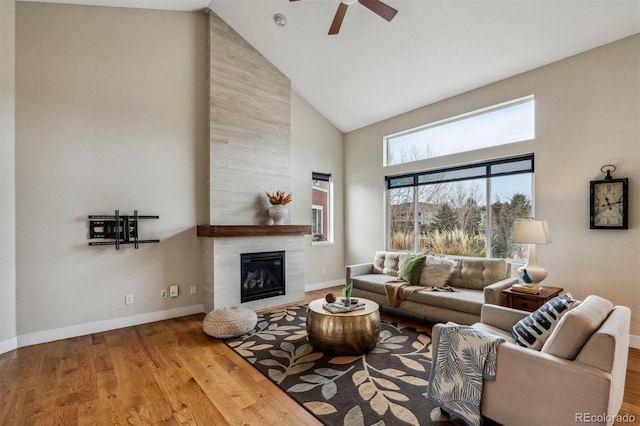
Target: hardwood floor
{"type": "Point", "coordinates": [162, 373]}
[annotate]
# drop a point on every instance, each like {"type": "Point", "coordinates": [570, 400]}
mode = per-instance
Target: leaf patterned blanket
{"type": "Point", "coordinates": [462, 357]}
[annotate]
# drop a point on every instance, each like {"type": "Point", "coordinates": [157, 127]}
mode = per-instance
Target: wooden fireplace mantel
{"type": "Point", "coordinates": [220, 231]}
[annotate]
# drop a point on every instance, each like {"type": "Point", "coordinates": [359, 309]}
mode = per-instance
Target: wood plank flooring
{"type": "Point", "coordinates": [162, 373]}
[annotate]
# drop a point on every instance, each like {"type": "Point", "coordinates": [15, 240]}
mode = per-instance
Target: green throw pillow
{"type": "Point", "coordinates": [411, 268]}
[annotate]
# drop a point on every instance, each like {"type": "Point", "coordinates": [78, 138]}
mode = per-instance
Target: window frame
{"type": "Point", "coordinates": [412, 180]}
{"type": "Point", "coordinates": [329, 211]}
{"type": "Point", "coordinates": [317, 223]}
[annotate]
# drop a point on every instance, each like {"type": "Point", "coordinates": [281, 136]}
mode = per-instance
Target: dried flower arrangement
{"type": "Point", "coordinates": [279, 198]}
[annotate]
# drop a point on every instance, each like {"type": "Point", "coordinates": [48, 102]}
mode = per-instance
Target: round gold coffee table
{"type": "Point", "coordinates": [350, 333]}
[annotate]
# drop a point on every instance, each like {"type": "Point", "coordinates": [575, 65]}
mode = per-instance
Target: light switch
{"type": "Point", "coordinates": [173, 290]}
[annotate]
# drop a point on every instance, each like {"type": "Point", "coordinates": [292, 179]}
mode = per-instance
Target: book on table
{"type": "Point", "coordinates": [340, 307]}
{"type": "Point", "coordinates": [524, 289]}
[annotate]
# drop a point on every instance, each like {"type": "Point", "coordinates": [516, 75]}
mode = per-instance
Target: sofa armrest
{"type": "Point", "coordinates": [493, 292]}
{"type": "Point", "coordinates": [359, 269]}
{"type": "Point", "coordinates": [564, 388]}
{"type": "Point", "coordinates": [501, 317]}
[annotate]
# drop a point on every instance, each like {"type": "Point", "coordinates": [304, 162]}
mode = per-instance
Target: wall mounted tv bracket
{"type": "Point", "coordinates": [121, 229]}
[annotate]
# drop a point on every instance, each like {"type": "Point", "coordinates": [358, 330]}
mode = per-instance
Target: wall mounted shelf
{"type": "Point", "coordinates": [120, 229]}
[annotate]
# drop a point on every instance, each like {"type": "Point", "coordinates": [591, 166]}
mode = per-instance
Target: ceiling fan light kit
{"type": "Point", "coordinates": [381, 9]}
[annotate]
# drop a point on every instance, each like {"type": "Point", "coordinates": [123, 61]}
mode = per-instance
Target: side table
{"type": "Point", "coordinates": [530, 302]}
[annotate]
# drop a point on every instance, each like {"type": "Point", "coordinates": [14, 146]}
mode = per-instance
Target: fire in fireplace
{"type": "Point", "coordinates": [262, 275]}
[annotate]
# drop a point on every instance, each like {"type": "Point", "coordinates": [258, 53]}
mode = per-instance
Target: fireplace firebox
{"type": "Point", "coordinates": [262, 275]}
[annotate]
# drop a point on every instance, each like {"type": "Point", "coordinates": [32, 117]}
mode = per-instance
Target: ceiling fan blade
{"type": "Point", "coordinates": [381, 9]}
{"type": "Point", "coordinates": [337, 19]}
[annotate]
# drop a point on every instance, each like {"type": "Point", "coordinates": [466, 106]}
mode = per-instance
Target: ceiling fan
{"type": "Point", "coordinates": [376, 6]}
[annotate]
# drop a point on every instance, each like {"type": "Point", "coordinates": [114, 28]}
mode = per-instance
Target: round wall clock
{"type": "Point", "coordinates": [609, 203]}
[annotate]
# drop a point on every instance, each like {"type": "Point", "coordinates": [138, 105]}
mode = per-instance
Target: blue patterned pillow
{"type": "Point", "coordinates": [533, 330]}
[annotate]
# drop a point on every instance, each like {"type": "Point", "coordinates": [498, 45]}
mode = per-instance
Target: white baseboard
{"type": "Point", "coordinates": [322, 284]}
{"type": "Point", "coordinates": [8, 345]}
{"type": "Point", "coordinates": [106, 325]}
{"type": "Point", "coordinates": [100, 326]}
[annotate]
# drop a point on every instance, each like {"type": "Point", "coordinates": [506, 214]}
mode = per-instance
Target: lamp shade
{"type": "Point", "coordinates": [530, 231]}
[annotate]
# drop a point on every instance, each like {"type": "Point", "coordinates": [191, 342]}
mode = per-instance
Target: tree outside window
{"type": "Point", "coordinates": [452, 217]}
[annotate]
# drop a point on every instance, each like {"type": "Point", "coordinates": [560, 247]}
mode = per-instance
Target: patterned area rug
{"type": "Point", "coordinates": [387, 386]}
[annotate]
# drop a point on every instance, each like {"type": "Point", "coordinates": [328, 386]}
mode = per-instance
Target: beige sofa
{"type": "Point", "coordinates": [477, 281]}
{"type": "Point", "coordinates": [577, 377]}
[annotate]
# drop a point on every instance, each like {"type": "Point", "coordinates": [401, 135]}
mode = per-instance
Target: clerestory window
{"type": "Point", "coordinates": [501, 124]}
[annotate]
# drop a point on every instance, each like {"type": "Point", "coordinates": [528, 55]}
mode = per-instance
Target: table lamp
{"type": "Point", "coordinates": [532, 232]}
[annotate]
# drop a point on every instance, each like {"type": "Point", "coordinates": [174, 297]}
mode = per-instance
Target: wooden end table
{"type": "Point", "coordinates": [530, 302]}
{"type": "Point", "coordinates": [349, 333]}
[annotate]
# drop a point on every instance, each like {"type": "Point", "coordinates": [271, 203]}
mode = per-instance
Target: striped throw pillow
{"type": "Point", "coordinates": [533, 330]}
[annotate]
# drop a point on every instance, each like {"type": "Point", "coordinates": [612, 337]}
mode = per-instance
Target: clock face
{"type": "Point", "coordinates": [609, 204]}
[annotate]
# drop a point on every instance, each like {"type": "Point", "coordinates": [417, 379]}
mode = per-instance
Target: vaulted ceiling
{"type": "Point", "coordinates": [431, 50]}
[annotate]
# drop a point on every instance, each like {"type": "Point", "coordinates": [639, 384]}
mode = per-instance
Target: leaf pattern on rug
{"type": "Point", "coordinates": [383, 387]}
{"type": "Point", "coordinates": [297, 360]}
{"type": "Point", "coordinates": [246, 348]}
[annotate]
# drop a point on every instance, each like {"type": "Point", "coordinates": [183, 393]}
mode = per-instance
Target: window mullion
{"type": "Point", "coordinates": [416, 226]}
{"type": "Point", "coordinates": [487, 231]}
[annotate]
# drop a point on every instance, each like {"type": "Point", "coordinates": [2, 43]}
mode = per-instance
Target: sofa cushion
{"type": "Point", "coordinates": [464, 300]}
{"type": "Point", "coordinates": [495, 331]}
{"type": "Point", "coordinates": [411, 268]}
{"type": "Point", "coordinates": [478, 272]}
{"type": "Point", "coordinates": [575, 328]}
{"type": "Point", "coordinates": [387, 262]}
{"type": "Point", "coordinates": [533, 330]}
{"type": "Point", "coordinates": [436, 271]}
{"type": "Point", "coordinates": [371, 282]}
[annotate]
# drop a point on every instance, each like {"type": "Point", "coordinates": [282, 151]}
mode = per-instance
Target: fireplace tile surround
{"type": "Point", "coordinates": [221, 264]}
{"type": "Point", "coordinates": [249, 153]}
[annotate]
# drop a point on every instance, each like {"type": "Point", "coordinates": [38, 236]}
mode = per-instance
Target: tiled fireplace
{"type": "Point", "coordinates": [223, 256]}
{"type": "Point", "coordinates": [249, 153]}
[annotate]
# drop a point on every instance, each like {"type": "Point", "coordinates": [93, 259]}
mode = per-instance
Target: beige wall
{"type": "Point", "coordinates": [111, 111]}
{"type": "Point", "coordinates": [317, 146]}
{"type": "Point", "coordinates": [587, 115]}
{"type": "Point", "coordinates": [7, 177]}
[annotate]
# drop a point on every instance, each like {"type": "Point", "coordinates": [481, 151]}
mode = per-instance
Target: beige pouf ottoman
{"type": "Point", "coordinates": [228, 322]}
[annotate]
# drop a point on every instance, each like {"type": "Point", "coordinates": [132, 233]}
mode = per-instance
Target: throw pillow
{"type": "Point", "coordinates": [533, 330]}
{"type": "Point", "coordinates": [411, 268]}
{"type": "Point", "coordinates": [437, 271]}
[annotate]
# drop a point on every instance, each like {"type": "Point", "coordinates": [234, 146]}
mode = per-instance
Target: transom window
{"type": "Point", "coordinates": [509, 122]}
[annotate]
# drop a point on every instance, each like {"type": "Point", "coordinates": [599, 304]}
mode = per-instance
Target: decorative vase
{"type": "Point", "coordinates": [278, 212]}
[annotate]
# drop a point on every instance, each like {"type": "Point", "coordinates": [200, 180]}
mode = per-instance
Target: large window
{"type": "Point", "coordinates": [509, 122]}
{"type": "Point", "coordinates": [321, 207]}
{"type": "Point", "coordinates": [468, 210]}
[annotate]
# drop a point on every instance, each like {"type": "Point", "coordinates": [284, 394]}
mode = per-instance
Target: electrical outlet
{"type": "Point", "coordinates": [173, 290]}
{"type": "Point", "coordinates": [194, 289]}
{"type": "Point", "coordinates": [128, 299]}
{"type": "Point", "coordinates": [163, 293]}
